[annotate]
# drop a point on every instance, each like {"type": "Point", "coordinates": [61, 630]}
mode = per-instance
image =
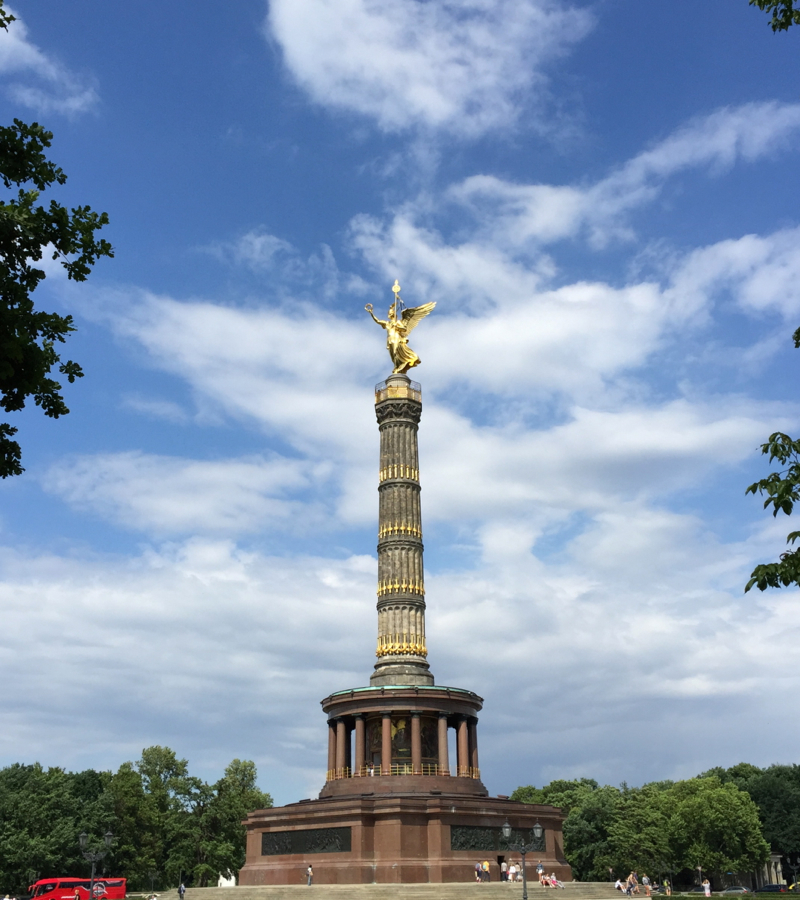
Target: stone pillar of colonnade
{"type": "Point", "coordinates": [472, 731]}
{"type": "Point", "coordinates": [386, 742]}
{"type": "Point", "coordinates": [341, 745]}
{"type": "Point", "coordinates": [360, 745]}
{"type": "Point", "coordinates": [331, 746]}
{"type": "Point", "coordinates": [443, 759]}
{"type": "Point", "coordinates": [462, 747]}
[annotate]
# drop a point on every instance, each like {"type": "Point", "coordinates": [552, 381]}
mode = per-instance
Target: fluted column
{"type": "Point", "coordinates": [401, 647]}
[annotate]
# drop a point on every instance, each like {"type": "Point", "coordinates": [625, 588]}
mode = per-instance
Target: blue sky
{"type": "Point", "coordinates": [602, 200]}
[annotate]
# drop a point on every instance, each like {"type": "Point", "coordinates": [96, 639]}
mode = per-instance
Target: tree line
{"type": "Point", "coordinates": [725, 820]}
{"type": "Point", "coordinates": [168, 825]}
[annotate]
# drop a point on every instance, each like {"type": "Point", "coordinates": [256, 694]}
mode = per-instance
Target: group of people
{"type": "Point", "coordinates": [631, 885]}
{"type": "Point", "coordinates": [513, 872]}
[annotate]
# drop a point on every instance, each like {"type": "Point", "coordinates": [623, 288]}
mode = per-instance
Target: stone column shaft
{"type": "Point", "coordinates": [444, 762]}
{"type": "Point", "coordinates": [360, 746]}
{"type": "Point", "coordinates": [341, 740]}
{"type": "Point", "coordinates": [462, 747]}
{"type": "Point", "coordinates": [472, 730]}
{"type": "Point", "coordinates": [401, 647]}
{"type": "Point", "coordinates": [386, 744]}
{"type": "Point", "coordinates": [416, 745]}
{"type": "Point", "coordinates": [331, 745]}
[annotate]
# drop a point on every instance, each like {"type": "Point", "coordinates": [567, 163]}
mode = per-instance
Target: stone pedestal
{"type": "Point", "coordinates": [386, 837]}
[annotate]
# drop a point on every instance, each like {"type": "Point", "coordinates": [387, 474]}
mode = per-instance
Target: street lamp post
{"type": "Point", "coordinates": [94, 856]}
{"type": "Point", "coordinates": [794, 866]}
{"type": "Point", "coordinates": [522, 848]}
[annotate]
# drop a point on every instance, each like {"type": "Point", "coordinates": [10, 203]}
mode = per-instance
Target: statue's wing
{"type": "Point", "coordinates": [412, 317]}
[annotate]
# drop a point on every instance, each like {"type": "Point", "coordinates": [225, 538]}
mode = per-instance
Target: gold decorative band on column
{"type": "Point", "coordinates": [398, 471]}
{"type": "Point", "coordinates": [401, 645]}
{"type": "Point", "coordinates": [396, 587]}
{"type": "Point", "coordinates": [399, 528]}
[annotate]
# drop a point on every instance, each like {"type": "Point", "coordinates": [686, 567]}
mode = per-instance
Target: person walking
{"type": "Point", "coordinates": [646, 883]}
{"type": "Point", "coordinates": [485, 869]}
{"type": "Point", "coordinates": [503, 871]}
{"type": "Point", "coordinates": [309, 875]}
{"type": "Point", "coordinates": [512, 873]}
{"type": "Point", "coordinates": [706, 887]}
{"type": "Point", "coordinates": [181, 890]}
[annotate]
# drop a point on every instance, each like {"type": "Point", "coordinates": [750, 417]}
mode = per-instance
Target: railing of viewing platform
{"type": "Point", "coordinates": [410, 391]}
{"type": "Point", "coordinates": [401, 769]}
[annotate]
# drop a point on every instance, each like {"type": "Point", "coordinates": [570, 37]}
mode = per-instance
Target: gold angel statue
{"type": "Point", "coordinates": [398, 330]}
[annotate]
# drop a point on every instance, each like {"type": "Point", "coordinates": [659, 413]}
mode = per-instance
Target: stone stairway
{"type": "Point", "coordinates": [573, 890]}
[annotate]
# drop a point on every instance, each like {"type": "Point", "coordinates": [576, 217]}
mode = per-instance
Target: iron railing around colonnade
{"type": "Point", "coordinates": [401, 769]}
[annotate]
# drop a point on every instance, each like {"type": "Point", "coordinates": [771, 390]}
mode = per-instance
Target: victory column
{"type": "Point", "coordinates": [393, 809]}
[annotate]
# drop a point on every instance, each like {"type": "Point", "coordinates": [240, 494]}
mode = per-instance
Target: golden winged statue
{"type": "Point", "coordinates": [398, 330]}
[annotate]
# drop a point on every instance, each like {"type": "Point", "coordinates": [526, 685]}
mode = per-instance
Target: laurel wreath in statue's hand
{"type": "Point", "coordinates": [368, 307]}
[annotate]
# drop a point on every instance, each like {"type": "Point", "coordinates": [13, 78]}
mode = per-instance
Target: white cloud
{"type": "Point", "coordinates": [609, 442]}
{"type": "Point", "coordinates": [762, 273]}
{"type": "Point", "coordinates": [158, 409]}
{"type": "Point", "coordinates": [165, 495]}
{"type": "Point", "coordinates": [256, 249]}
{"type": "Point", "coordinates": [518, 214]}
{"type": "Point", "coordinates": [41, 82]}
{"type": "Point", "coordinates": [463, 67]}
{"type": "Point", "coordinates": [206, 648]}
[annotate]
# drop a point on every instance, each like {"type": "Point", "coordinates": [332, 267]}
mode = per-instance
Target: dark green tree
{"type": "Point", "coordinates": [590, 813]}
{"type": "Point", "coordinates": [29, 337]}
{"type": "Point", "coordinates": [714, 825]}
{"type": "Point", "coordinates": [638, 836]}
{"type": "Point", "coordinates": [783, 12]}
{"type": "Point", "coordinates": [42, 812]}
{"type": "Point", "coordinates": [782, 490]}
{"type": "Point", "coordinates": [235, 795]}
{"type": "Point", "coordinates": [658, 828]}
{"type": "Point", "coordinates": [776, 792]}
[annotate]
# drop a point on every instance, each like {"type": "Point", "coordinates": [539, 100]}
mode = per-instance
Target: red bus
{"type": "Point", "coordinates": [64, 888]}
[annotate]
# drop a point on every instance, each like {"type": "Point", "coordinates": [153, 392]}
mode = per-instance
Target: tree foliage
{"type": "Point", "coordinates": [784, 13]}
{"type": "Point", "coordinates": [662, 827]}
{"type": "Point", "coordinates": [29, 230]}
{"type": "Point", "coordinates": [164, 820]}
{"type": "Point", "coordinates": [782, 490]}
{"type": "Point", "coordinates": [776, 792]}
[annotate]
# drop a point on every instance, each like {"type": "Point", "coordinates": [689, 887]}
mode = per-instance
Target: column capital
{"type": "Point", "coordinates": [386, 713]}
{"type": "Point", "coordinates": [414, 714]}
